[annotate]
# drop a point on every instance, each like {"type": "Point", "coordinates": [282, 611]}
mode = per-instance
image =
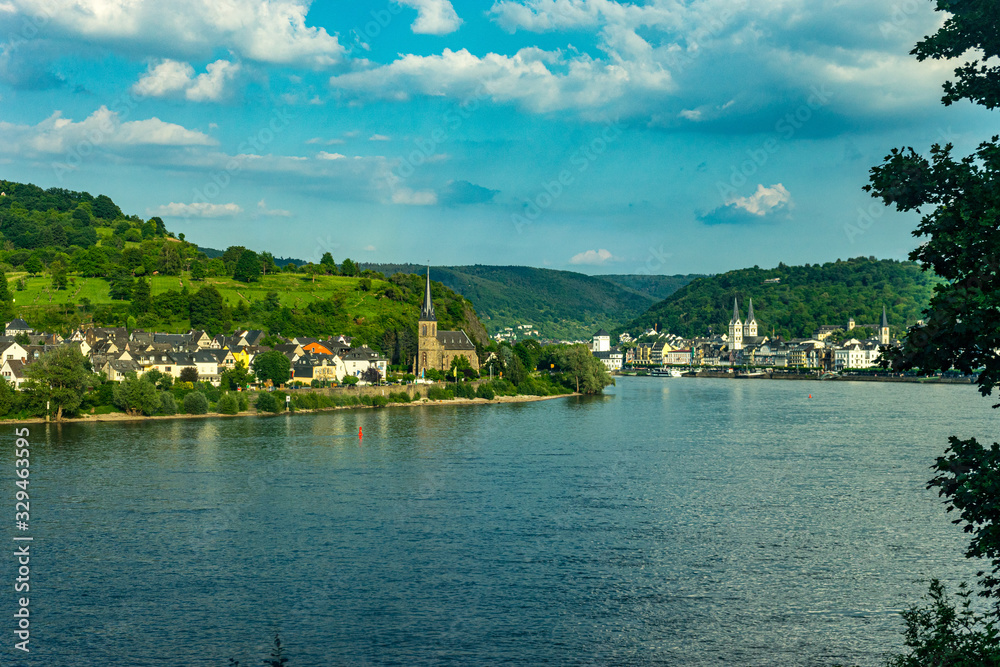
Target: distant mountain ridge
{"type": "Point", "coordinates": [560, 304]}
{"type": "Point", "coordinates": [793, 301]}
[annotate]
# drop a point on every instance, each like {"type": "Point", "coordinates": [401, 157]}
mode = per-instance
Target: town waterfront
{"type": "Point", "coordinates": [666, 522]}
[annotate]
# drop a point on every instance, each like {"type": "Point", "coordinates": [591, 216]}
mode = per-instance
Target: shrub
{"type": "Point", "coordinates": [228, 405]}
{"type": "Point", "coordinates": [267, 402]}
{"type": "Point", "coordinates": [436, 393]}
{"type": "Point", "coordinates": [189, 374]}
{"type": "Point", "coordinates": [379, 401]}
{"type": "Point", "coordinates": [168, 406]}
{"type": "Point", "coordinates": [350, 380]}
{"type": "Point", "coordinates": [465, 390]}
{"type": "Point", "coordinates": [485, 391]}
{"type": "Point", "coordinates": [195, 403]}
{"type": "Point", "coordinates": [244, 402]}
{"type": "Point", "coordinates": [399, 397]}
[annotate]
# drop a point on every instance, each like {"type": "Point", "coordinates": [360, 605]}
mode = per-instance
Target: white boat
{"type": "Point", "coordinates": [666, 372]}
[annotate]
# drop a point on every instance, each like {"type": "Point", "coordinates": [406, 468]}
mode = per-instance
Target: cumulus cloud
{"type": "Point", "coordinates": [457, 193]}
{"type": "Point", "coordinates": [764, 202]}
{"type": "Point", "coordinates": [594, 257]}
{"type": "Point", "coordinates": [434, 17]}
{"type": "Point", "coordinates": [196, 210]}
{"type": "Point", "coordinates": [263, 210]}
{"type": "Point", "coordinates": [170, 78]}
{"type": "Point", "coordinates": [414, 197]}
{"type": "Point", "coordinates": [538, 80]}
{"type": "Point", "coordinates": [268, 31]}
{"type": "Point", "coordinates": [103, 129]}
{"type": "Point", "coordinates": [323, 155]}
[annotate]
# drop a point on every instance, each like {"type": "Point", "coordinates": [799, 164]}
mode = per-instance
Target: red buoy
{"type": "Point", "coordinates": [810, 395]}
{"type": "Point", "coordinates": [359, 433]}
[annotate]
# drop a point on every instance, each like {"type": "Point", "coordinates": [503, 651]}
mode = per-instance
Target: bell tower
{"type": "Point", "coordinates": [426, 332]}
{"type": "Point", "coordinates": [736, 328]}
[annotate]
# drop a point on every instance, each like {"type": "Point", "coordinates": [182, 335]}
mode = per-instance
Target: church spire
{"type": "Point", "coordinates": [427, 311]}
{"type": "Point", "coordinates": [885, 320]}
{"type": "Point", "coordinates": [736, 311]}
{"type": "Point", "coordinates": [750, 313]}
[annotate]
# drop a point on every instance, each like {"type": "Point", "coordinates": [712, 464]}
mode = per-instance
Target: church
{"type": "Point", "coordinates": [436, 349]}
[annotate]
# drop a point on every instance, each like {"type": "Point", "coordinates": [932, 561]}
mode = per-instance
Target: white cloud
{"type": "Point", "coordinates": [196, 210]}
{"type": "Point", "coordinates": [434, 17]}
{"type": "Point", "coordinates": [594, 257]}
{"type": "Point", "coordinates": [323, 155]}
{"type": "Point", "coordinates": [170, 78]}
{"type": "Point", "coordinates": [764, 200]}
{"type": "Point", "coordinates": [370, 248]}
{"type": "Point", "coordinates": [326, 142]}
{"type": "Point", "coordinates": [378, 137]}
{"type": "Point", "coordinates": [268, 31]}
{"type": "Point", "coordinates": [103, 129]}
{"type": "Point", "coordinates": [414, 197]}
{"type": "Point", "coordinates": [262, 209]}
{"type": "Point", "coordinates": [539, 80]}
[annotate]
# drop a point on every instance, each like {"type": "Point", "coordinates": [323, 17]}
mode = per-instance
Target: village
{"type": "Point", "coordinates": [847, 347]}
{"type": "Point", "coordinates": [115, 352]}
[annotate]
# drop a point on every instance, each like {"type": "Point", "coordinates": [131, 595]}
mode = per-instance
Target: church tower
{"type": "Point", "coordinates": [883, 330]}
{"type": "Point", "coordinates": [736, 328]}
{"type": "Point", "coordinates": [750, 326]}
{"type": "Point", "coordinates": [426, 332]}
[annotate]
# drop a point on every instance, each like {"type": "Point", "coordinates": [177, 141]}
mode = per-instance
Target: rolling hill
{"type": "Point", "coordinates": [560, 304]}
{"type": "Point", "coordinates": [802, 299]}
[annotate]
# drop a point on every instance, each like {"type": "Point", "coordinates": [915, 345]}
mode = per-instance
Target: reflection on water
{"type": "Point", "coordinates": [671, 521]}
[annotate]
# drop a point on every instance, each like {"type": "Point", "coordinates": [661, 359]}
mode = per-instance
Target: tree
{"type": "Point", "coordinates": [267, 402]}
{"type": "Point", "coordinates": [189, 374]}
{"type": "Point", "coordinates": [197, 270]}
{"type": "Point", "coordinates": [235, 377]}
{"type": "Point", "coordinates": [349, 268]}
{"type": "Point", "coordinates": [7, 397]}
{"type": "Point", "coordinates": [142, 300]}
{"type": "Point", "coordinates": [247, 267]}
{"type": "Point", "coordinates": [371, 375]}
{"type": "Point", "coordinates": [206, 311]}
{"type": "Point", "coordinates": [137, 395]}
{"type": "Point", "coordinates": [327, 263]}
{"type": "Point", "coordinates": [59, 377]}
{"type": "Point", "coordinates": [273, 366]}
{"type": "Point", "coordinates": [959, 202]}
{"type": "Point", "coordinates": [195, 403]}
{"type": "Point", "coordinates": [267, 263]}
{"type": "Point", "coordinates": [59, 277]}
{"type": "Point", "coordinates": [228, 404]}
{"type": "Point", "coordinates": [34, 265]}
{"type": "Point", "coordinates": [106, 209]}
{"type": "Point", "coordinates": [169, 263]}
{"type": "Point", "coordinates": [586, 371]}
{"type": "Point", "coordinates": [22, 339]}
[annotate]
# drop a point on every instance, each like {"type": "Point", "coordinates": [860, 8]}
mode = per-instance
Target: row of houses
{"type": "Point", "coordinates": [742, 346]}
{"type": "Point", "coordinates": [114, 352]}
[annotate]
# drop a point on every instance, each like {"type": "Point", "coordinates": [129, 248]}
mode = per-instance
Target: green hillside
{"type": "Point", "coordinates": [806, 297]}
{"type": "Point", "coordinates": [655, 287]}
{"type": "Point", "coordinates": [560, 304]}
{"type": "Point", "coordinates": [72, 258]}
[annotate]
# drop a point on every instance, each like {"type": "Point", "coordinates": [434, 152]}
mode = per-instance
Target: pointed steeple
{"type": "Point", "coordinates": [427, 311]}
{"type": "Point", "coordinates": [885, 320]}
{"type": "Point", "coordinates": [736, 311]}
{"type": "Point", "coordinates": [750, 313]}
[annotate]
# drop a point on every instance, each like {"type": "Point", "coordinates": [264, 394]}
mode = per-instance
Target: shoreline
{"type": "Point", "coordinates": [812, 376]}
{"type": "Point", "coordinates": [123, 417]}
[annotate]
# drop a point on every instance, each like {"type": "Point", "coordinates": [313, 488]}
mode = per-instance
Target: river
{"type": "Point", "coordinates": [671, 521]}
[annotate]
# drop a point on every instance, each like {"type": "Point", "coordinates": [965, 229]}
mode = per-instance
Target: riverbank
{"type": "Point", "coordinates": [123, 417]}
{"type": "Point", "coordinates": [812, 376]}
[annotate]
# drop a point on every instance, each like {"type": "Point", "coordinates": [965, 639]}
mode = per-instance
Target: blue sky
{"type": "Point", "coordinates": [589, 135]}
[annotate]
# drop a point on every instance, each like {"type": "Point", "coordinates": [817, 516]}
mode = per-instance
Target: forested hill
{"type": "Point", "coordinates": [805, 298]}
{"type": "Point", "coordinates": [560, 304]}
{"type": "Point", "coordinates": [656, 287]}
{"type": "Point", "coordinates": [75, 258]}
